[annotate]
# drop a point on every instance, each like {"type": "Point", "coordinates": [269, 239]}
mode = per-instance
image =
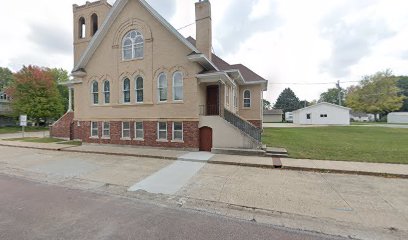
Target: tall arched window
{"type": "Point", "coordinates": [132, 45]}
{"type": "Point", "coordinates": [162, 87]}
{"type": "Point", "coordinates": [247, 99]}
{"type": "Point", "coordinates": [106, 91]}
{"type": "Point", "coordinates": [81, 28]}
{"type": "Point", "coordinates": [178, 86]}
{"type": "Point", "coordinates": [95, 92]}
{"type": "Point", "coordinates": [126, 90]}
{"type": "Point", "coordinates": [139, 89]}
{"type": "Point", "coordinates": [94, 19]}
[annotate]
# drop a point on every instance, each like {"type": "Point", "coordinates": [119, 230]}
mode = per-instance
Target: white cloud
{"type": "Point", "coordinates": [286, 41]}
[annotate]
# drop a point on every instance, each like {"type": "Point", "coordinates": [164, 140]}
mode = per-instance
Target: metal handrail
{"type": "Point", "coordinates": [243, 125]}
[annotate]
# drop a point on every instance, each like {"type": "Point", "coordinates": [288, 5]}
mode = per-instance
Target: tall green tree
{"type": "Point", "coordinates": [6, 78]}
{"type": "Point", "coordinates": [377, 94]}
{"type": "Point", "coordinates": [61, 76]}
{"type": "Point", "coordinates": [35, 93]}
{"type": "Point", "coordinates": [332, 96]}
{"type": "Point", "coordinates": [403, 86]}
{"type": "Point", "coordinates": [267, 105]}
{"type": "Point", "coordinates": [287, 101]}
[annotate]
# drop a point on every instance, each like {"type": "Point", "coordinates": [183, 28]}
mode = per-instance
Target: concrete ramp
{"type": "Point", "coordinates": [172, 178]}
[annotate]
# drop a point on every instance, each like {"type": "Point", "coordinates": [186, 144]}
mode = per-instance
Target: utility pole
{"type": "Point", "coordinates": [339, 88]}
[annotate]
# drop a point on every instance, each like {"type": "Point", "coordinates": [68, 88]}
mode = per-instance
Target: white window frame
{"type": "Point", "coordinates": [105, 129]}
{"type": "Point", "coordinates": [137, 42]}
{"type": "Point", "coordinates": [92, 129]}
{"type": "Point", "coordinates": [158, 131]}
{"type": "Point", "coordinates": [123, 130]}
{"type": "Point", "coordinates": [227, 95]}
{"type": "Point", "coordinates": [246, 98]}
{"type": "Point", "coordinates": [106, 92]}
{"type": "Point", "coordinates": [139, 89]}
{"type": "Point", "coordinates": [162, 88]}
{"type": "Point", "coordinates": [124, 91]}
{"type": "Point", "coordinates": [93, 93]}
{"type": "Point", "coordinates": [178, 87]}
{"type": "Point", "coordinates": [182, 130]}
{"type": "Point", "coordinates": [136, 129]}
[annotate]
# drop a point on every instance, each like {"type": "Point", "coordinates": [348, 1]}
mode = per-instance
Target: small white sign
{"type": "Point", "coordinates": [23, 120]}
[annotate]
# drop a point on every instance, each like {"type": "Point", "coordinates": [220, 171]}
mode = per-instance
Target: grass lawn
{"type": "Point", "coordinates": [36, 140]}
{"type": "Point", "coordinates": [18, 129]}
{"type": "Point", "coordinates": [362, 144]}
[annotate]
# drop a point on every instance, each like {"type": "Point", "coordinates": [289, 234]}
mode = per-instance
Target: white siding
{"type": "Point", "coordinates": [401, 117]}
{"type": "Point", "coordinates": [335, 115]}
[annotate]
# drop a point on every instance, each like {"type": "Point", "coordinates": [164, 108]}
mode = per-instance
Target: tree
{"type": "Point", "coordinates": [376, 94]}
{"type": "Point", "coordinates": [267, 105]}
{"type": "Point", "coordinates": [6, 78]}
{"type": "Point", "coordinates": [35, 93]}
{"type": "Point", "coordinates": [61, 76]}
{"type": "Point", "coordinates": [403, 86]}
{"type": "Point", "coordinates": [287, 101]}
{"type": "Point", "coordinates": [332, 96]}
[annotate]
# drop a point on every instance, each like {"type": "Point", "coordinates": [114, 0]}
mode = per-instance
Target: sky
{"type": "Point", "coordinates": [304, 45]}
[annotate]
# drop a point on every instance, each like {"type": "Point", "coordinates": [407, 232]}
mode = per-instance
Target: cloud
{"type": "Point", "coordinates": [50, 38]}
{"type": "Point", "coordinates": [166, 8]}
{"type": "Point", "coordinates": [353, 35]}
{"type": "Point", "coordinates": [242, 20]}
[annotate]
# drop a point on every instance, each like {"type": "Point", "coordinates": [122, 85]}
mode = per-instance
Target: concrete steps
{"type": "Point", "coordinates": [277, 152]}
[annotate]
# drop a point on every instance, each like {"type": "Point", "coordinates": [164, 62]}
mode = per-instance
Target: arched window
{"type": "Point", "coordinates": [139, 89]}
{"type": "Point", "coordinates": [94, 19]}
{"type": "Point", "coordinates": [132, 45]}
{"type": "Point", "coordinates": [126, 90]}
{"type": "Point", "coordinates": [247, 99]}
{"type": "Point", "coordinates": [106, 91]}
{"type": "Point", "coordinates": [95, 92]}
{"type": "Point", "coordinates": [162, 87]}
{"type": "Point", "coordinates": [178, 86]}
{"type": "Point", "coordinates": [81, 28]}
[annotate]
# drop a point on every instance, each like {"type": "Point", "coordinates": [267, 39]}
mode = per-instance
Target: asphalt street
{"type": "Point", "coordinates": [30, 210]}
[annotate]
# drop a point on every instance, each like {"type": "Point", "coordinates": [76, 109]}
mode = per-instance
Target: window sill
{"type": "Point", "coordinates": [164, 102]}
{"type": "Point", "coordinates": [177, 141]}
{"type": "Point", "coordinates": [178, 101]}
{"type": "Point", "coordinates": [105, 138]}
{"type": "Point", "coordinates": [133, 59]}
{"type": "Point", "coordinates": [162, 140]}
{"type": "Point", "coordinates": [126, 139]}
{"type": "Point", "coordinates": [93, 137]}
{"type": "Point", "coordinates": [139, 139]}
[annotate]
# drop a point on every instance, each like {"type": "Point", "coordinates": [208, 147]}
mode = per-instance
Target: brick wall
{"type": "Point", "coordinates": [82, 131]}
{"type": "Point", "coordinates": [256, 123]}
{"type": "Point", "coordinates": [62, 127]}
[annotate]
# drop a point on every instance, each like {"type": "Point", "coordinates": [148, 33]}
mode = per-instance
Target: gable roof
{"type": "Point", "coordinates": [106, 25]}
{"type": "Point", "coordinates": [247, 74]}
{"type": "Point", "coordinates": [273, 112]}
{"type": "Point", "coordinates": [323, 103]}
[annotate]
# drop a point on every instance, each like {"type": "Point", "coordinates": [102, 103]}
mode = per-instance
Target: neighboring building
{"type": "Point", "coordinates": [138, 81]}
{"type": "Point", "coordinates": [361, 117]}
{"type": "Point", "coordinates": [5, 111]}
{"type": "Point", "coordinates": [397, 117]}
{"type": "Point", "coordinates": [272, 116]}
{"type": "Point", "coordinates": [322, 114]}
{"type": "Point", "coordinates": [289, 117]}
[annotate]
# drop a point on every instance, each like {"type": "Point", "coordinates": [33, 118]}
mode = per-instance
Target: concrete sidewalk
{"type": "Point", "coordinates": [361, 168]}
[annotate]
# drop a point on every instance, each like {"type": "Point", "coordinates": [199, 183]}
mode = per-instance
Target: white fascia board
{"type": "Point", "coordinates": [203, 61]}
{"type": "Point", "coordinates": [113, 14]}
{"type": "Point", "coordinates": [221, 75]}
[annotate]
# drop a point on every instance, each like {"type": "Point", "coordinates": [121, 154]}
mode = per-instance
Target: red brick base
{"type": "Point", "coordinates": [82, 131]}
{"type": "Point", "coordinates": [256, 123]}
{"type": "Point", "coordinates": [62, 127]}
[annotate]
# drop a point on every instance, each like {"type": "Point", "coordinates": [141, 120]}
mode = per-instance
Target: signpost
{"type": "Point", "coordinates": [23, 122]}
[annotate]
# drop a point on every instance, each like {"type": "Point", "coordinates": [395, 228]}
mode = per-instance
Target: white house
{"type": "Point", "coordinates": [398, 117]}
{"type": "Point", "coordinates": [322, 114]}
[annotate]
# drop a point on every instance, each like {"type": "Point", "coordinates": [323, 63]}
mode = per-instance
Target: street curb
{"type": "Point", "coordinates": [217, 162]}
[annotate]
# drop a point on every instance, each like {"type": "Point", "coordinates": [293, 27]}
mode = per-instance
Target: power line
{"type": "Point", "coordinates": [316, 83]}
